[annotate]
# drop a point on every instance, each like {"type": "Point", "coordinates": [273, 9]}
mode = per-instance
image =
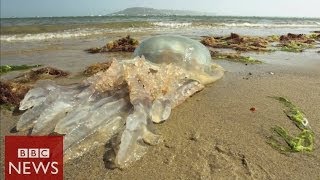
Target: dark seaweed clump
{"type": "Point", "coordinates": [13, 91]}
{"type": "Point", "coordinates": [237, 42]}
{"type": "Point", "coordinates": [42, 73]}
{"type": "Point", "coordinates": [297, 42]}
{"type": "Point", "coordinates": [126, 44]}
{"type": "Point", "coordinates": [95, 68]}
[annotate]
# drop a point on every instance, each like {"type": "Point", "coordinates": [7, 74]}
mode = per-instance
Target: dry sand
{"type": "Point", "coordinates": [214, 135]}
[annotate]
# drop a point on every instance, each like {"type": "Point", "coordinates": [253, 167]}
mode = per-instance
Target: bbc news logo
{"type": "Point", "coordinates": [34, 157]}
{"type": "Point", "coordinates": [34, 153]}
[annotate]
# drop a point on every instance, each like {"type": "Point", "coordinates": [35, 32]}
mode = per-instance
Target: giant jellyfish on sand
{"type": "Point", "coordinates": [124, 101]}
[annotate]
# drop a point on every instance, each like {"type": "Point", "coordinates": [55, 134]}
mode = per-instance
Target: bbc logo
{"type": "Point", "coordinates": [34, 153]}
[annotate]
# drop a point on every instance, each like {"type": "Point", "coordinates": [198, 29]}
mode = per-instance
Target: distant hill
{"type": "Point", "coordinates": [143, 11]}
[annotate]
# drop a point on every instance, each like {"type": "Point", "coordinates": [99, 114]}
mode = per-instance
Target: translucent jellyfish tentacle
{"type": "Point", "coordinates": [37, 95]}
{"type": "Point", "coordinates": [161, 107]}
{"type": "Point", "coordinates": [131, 147]}
{"type": "Point", "coordinates": [82, 111]}
{"type": "Point", "coordinates": [99, 138]}
{"type": "Point", "coordinates": [29, 118]}
{"type": "Point", "coordinates": [103, 114]}
{"type": "Point", "coordinates": [50, 117]}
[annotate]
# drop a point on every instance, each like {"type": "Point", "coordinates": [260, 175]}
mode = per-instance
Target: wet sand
{"type": "Point", "coordinates": [214, 135]}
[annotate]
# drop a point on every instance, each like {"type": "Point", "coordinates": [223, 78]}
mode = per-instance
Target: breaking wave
{"type": "Point", "coordinates": [46, 36]}
{"type": "Point", "coordinates": [172, 24]}
{"type": "Point", "coordinates": [315, 24]}
{"type": "Point", "coordinates": [79, 33]}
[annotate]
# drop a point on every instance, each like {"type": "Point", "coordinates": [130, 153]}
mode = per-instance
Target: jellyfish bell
{"type": "Point", "coordinates": [173, 49]}
{"type": "Point", "coordinates": [184, 52]}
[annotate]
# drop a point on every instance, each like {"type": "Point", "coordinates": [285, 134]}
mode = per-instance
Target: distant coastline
{"type": "Point", "coordinates": [145, 11]}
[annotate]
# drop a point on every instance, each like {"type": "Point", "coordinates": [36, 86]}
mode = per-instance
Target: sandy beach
{"type": "Point", "coordinates": [214, 135]}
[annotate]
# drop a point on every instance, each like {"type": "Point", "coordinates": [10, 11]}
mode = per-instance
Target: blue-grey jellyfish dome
{"type": "Point", "coordinates": [184, 52]}
{"type": "Point", "coordinates": [173, 49]}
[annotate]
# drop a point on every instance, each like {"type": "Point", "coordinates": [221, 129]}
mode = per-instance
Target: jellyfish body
{"type": "Point", "coordinates": [187, 53]}
{"type": "Point", "coordinates": [124, 100]}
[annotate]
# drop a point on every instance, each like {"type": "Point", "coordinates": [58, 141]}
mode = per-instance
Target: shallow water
{"type": "Point", "coordinates": [59, 42]}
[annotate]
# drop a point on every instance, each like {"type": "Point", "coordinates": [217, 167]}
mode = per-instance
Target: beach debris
{"type": "Point", "coordinates": [126, 44]}
{"type": "Point", "coordinates": [14, 90]}
{"type": "Point", "coordinates": [237, 42]}
{"type": "Point", "coordinates": [253, 109]}
{"type": "Point", "coordinates": [314, 36]}
{"type": "Point", "coordinates": [294, 46]}
{"type": "Point", "coordinates": [297, 37]}
{"type": "Point", "coordinates": [95, 68]}
{"type": "Point", "coordinates": [12, 93]}
{"type": "Point", "coordinates": [294, 113]}
{"type": "Point", "coordinates": [42, 73]}
{"type": "Point", "coordinates": [304, 141]}
{"type": "Point", "coordinates": [236, 57]}
{"type": "Point", "coordinates": [296, 42]}
{"type": "Point", "coordinates": [123, 101]}
{"type": "Point", "coordinates": [272, 38]}
{"type": "Point", "coordinates": [9, 68]}
{"type": "Point", "coordinates": [289, 42]}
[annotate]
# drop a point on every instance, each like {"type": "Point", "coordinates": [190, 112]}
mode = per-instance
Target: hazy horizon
{"type": "Point", "coordinates": [60, 8]}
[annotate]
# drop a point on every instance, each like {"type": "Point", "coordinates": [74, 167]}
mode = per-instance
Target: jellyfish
{"type": "Point", "coordinates": [125, 101]}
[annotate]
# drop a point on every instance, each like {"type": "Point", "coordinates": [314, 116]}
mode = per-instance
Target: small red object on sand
{"type": "Point", "coordinates": [253, 109]}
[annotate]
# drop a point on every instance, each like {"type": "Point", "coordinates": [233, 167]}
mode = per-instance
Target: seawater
{"type": "Point", "coordinates": [46, 28]}
{"type": "Point", "coordinates": [60, 41]}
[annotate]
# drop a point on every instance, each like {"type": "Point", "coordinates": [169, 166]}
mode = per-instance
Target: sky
{"type": "Point", "coordinates": [47, 8]}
